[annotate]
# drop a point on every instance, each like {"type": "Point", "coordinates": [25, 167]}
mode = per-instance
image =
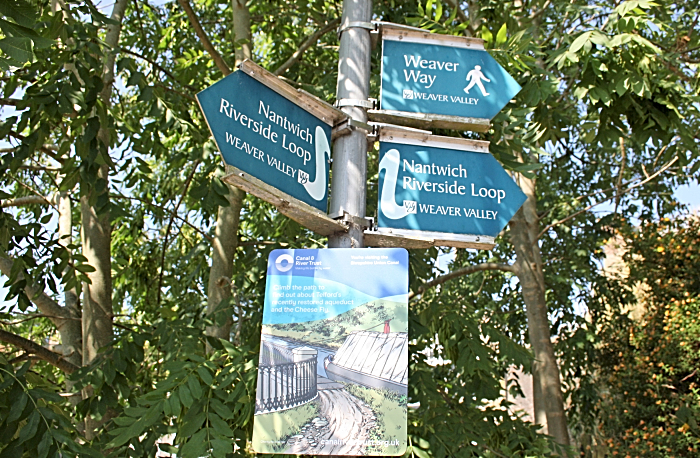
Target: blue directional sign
{"type": "Point", "coordinates": [438, 189]}
{"type": "Point", "coordinates": [269, 137]}
{"type": "Point", "coordinates": [439, 79]}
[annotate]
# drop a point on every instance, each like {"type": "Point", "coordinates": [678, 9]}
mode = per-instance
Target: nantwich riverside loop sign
{"type": "Point", "coordinates": [276, 141]}
{"type": "Point", "coordinates": [447, 188]}
{"type": "Point", "coordinates": [440, 81]}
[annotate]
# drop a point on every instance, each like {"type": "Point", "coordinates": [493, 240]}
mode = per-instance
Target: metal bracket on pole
{"type": "Point", "coordinates": [348, 125]}
{"type": "Point", "coordinates": [348, 218]}
{"type": "Point", "coordinates": [356, 25]}
{"type": "Point", "coordinates": [370, 104]}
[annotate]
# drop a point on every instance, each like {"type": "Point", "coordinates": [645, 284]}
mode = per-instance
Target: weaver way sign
{"type": "Point", "coordinates": [430, 184]}
{"type": "Point", "coordinates": [272, 132]}
{"type": "Point", "coordinates": [441, 75]}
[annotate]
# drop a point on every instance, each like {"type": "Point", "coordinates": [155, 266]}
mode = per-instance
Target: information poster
{"type": "Point", "coordinates": [333, 370]}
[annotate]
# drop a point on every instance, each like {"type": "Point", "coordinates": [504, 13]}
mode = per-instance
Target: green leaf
{"type": "Point", "coordinates": [22, 12]}
{"type": "Point", "coordinates": [205, 375]}
{"type": "Point", "coordinates": [191, 424]}
{"type": "Point", "coordinates": [84, 268]}
{"type": "Point", "coordinates": [418, 452]}
{"type": "Point", "coordinates": [502, 35]}
{"type": "Point", "coordinates": [15, 30]}
{"type": "Point", "coordinates": [220, 426]}
{"type": "Point", "coordinates": [174, 401]}
{"type": "Point", "coordinates": [29, 430]}
{"type": "Point", "coordinates": [185, 396]}
{"type": "Point", "coordinates": [222, 448]}
{"type": "Point", "coordinates": [195, 447]}
{"type": "Point", "coordinates": [579, 42]}
{"type": "Point", "coordinates": [486, 34]}
{"type": "Point", "coordinates": [221, 409]}
{"type": "Point", "coordinates": [18, 48]}
{"type": "Point", "coordinates": [44, 446]}
{"type": "Point", "coordinates": [18, 406]}
{"type": "Point", "coordinates": [195, 387]}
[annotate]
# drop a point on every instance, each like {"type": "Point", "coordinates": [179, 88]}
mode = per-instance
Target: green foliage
{"type": "Point", "coordinates": [33, 420]}
{"type": "Point", "coordinates": [649, 359]}
{"type": "Point", "coordinates": [608, 112]}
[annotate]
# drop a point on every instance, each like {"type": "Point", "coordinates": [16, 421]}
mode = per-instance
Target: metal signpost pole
{"type": "Point", "coordinates": [350, 151]}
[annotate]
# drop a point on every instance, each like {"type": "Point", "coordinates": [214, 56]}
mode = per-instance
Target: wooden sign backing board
{"type": "Point", "coordinates": [409, 239]}
{"type": "Point", "coordinates": [439, 81]}
{"type": "Point", "coordinates": [302, 213]}
{"type": "Point", "coordinates": [317, 107]}
{"type": "Point", "coordinates": [429, 121]}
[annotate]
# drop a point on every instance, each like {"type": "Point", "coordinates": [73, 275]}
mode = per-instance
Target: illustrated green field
{"type": "Point", "coordinates": [278, 426]}
{"type": "Point", "coordinates": [331, 332]}
{"type": "Point", "coordinates": [391, 411]}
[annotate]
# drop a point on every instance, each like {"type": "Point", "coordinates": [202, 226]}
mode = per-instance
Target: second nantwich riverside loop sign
{"type": "Point", "coordinates": [449, 188]}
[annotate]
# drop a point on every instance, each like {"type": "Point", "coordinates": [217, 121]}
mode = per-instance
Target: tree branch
{"type": "Point", "coordinates": [27, 200]}
{"type": "Point", "coordinates": [53, 358]}
{"type": "Point", "coordinates": [460, 273]}
{"type": "Point", "coordinates": [44, 149]}
{"type": "Point", "coordinates": [170, 225]}
{"type": "Point", "coordinates": [194, 20]}
{"type": "Point", "coordinates": [34, 317]}
{"type": "Point", "coordinates": [157, 66]}
{"type": "Point", "coordinates": [44, 303]}
{"type": "Point", "coordinates": [460, 12]}
{"type": "Point", "coordinates": [12, 102]}
{"type": "Point", "coordinates": [201, 232]}
{"type": "Point", "coordinates": [256, 242]}
{"type": "Point", "coordinates": [574, 215]}
{"type": "Point", "coordinates": [306, 45]}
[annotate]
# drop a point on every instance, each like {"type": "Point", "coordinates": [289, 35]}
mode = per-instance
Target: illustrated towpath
{"type": "Point", "coordinates": [342, 427]}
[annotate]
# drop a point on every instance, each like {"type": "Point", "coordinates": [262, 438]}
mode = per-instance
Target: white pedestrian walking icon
{"type": "Point", "coordinates": [474, 77]}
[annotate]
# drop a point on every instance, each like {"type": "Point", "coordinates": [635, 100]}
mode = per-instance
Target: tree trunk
{"type": "Point", "coordinates": [97, 295]}
{"type": "Point", "coordinates": [524, 231]}
{"type": "Point", "coordinates": [223, 251]}
{"type": "Point", "coordinates": [71, 330]}
{"type": "Point", "coordinates": [96, 231]}
{"type": "Point", "coordinates": [228, 218]}
{"type": "Point", "coordinates": [538, 402]}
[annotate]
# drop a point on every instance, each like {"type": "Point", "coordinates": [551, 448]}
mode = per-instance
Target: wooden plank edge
{"type": "Point", "coordinates": [397, 32]}
{"type": "Point", "coordinates": [412, 137]}
{"type": "Point", "coordinates": [388, 240]}
{"type": "Point", "coordinates": [429, 121]}
{"type": "Point", "coordinates": [320, 108]}
{"type": "Point", "coordinates": [301, 212]}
